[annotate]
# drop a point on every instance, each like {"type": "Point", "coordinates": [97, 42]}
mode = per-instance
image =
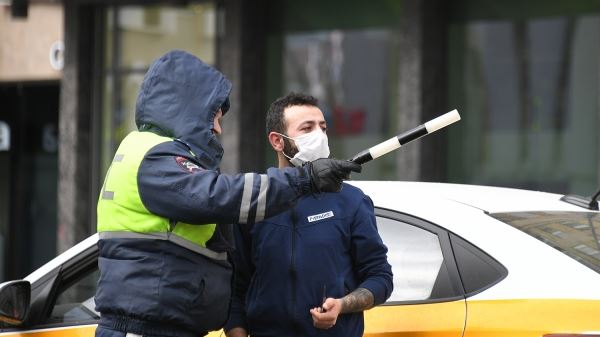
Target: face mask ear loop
{"type": "Point", "coordinates": [283, 150]}
{"type": "Point", "coordinates": [288, 157]}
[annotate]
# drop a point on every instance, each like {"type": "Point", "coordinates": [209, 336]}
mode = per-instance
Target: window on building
{"type": "Point", "coordinates": [525, 79]}
{"type": "Point", "coordinates": [349, 62]}
{"type": "Point", "coordinates": [28, 176]}
{"type": "Point", "coordinates": [134, 37]}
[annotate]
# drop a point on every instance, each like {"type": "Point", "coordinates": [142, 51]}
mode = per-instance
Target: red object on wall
{"type": "Point", "coordinates": [348, 122]}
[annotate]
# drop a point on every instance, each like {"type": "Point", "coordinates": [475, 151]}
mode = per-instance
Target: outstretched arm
{"type": "Point", "coordinates": [173, 185]}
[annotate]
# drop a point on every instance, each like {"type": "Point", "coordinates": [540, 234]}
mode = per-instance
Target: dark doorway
{"type": "Point", "coordinates": [28, 176]}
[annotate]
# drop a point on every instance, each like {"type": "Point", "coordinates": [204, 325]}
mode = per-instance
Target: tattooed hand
{"type": "Point", "coordinates": [325, 317]}
{"type": "Point", "coordinates": [359, 300]}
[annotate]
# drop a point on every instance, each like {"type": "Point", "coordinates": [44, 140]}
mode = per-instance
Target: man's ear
{"type": "Point", "coordinates": [276, 141]}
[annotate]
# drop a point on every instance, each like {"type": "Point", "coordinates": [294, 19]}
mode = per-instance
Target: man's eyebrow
{"type": "Point", "coordinates": [306, 123]}
{"type": "Point", "coordinates": [311, 122]}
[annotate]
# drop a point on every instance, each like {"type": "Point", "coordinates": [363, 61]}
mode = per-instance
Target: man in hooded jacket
{"type": "Point", "coordinates": [164, 268]}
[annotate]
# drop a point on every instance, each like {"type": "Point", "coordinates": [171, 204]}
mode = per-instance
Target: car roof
{"type": "Point", "coordinates": [463, 210]}
{"type": "Point", "coordinates": [402, 194]}
{"type": "Point", "coordinates": [490, 199]}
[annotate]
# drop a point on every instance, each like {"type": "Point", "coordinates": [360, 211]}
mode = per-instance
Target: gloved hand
{"type": "Point", "coordinates": [326, 175]}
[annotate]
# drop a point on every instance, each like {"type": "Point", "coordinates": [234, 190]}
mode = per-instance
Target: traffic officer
{"type": "Point", "coordinates": [164, 269]}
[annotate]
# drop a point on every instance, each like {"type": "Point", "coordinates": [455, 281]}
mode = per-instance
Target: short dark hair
{"type": "Point", "coordinates": [275, 118]}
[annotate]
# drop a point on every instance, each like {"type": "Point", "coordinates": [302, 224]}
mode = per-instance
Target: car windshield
{"type": "Point", "coordinates": [576, 234]}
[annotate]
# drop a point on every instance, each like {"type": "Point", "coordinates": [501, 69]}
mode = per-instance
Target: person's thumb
{"type": "Point", "coordinates": [329, 303]}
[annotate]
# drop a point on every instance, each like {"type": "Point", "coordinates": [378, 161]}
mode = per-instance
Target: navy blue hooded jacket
{"type": "Point", "coordinates": [327, 241]}
{"type": "Point", "coordinates": [153, 286]}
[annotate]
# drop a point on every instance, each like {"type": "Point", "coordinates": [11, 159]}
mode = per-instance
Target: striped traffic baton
{"type": "Point", "coordinates": [406, 137]}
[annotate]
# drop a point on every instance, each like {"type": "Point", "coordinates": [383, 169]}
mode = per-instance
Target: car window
{"type": "Point", "coordinates": [75, 303]}
{"type": "Point", "coordinates": [478, 271]}
{"type": "Point", "coordinates": [420, 270]}
{"type": "Point", "coordinates": [576, 234]}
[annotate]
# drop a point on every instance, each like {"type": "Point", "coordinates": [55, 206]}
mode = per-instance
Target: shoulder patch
{"type": "Point", "coordinates": [187, 165]}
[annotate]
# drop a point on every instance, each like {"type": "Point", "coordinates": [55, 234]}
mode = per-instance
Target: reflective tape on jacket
{"type": "Point", "coordinates": [176, 239]}
{"type": "Point", "coordinates": [121, 212]}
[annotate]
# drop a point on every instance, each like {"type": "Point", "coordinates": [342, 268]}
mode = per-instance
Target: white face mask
{"type": "Point", "coordinates": [311, 146]}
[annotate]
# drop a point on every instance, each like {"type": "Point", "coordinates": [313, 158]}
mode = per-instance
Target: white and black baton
{"type": "Point", "coordinates": [406, 137]}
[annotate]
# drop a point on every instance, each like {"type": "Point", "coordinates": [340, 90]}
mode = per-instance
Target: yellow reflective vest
{"type": "Point", "coordinates": [122, 214]}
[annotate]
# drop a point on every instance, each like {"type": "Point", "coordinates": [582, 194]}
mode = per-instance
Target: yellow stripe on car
{"type": "Point", "coordinates": [71, 331]}
{"type": "Point", "coordinates": [486, 318]}
{"type": "Point", "coordinates": [433, 319]}
{"type": "Point", "coordinates": [531, 317]}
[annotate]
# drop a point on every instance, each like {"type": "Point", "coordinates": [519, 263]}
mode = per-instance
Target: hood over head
{"type": "Point", "coordinates": [180, 95]}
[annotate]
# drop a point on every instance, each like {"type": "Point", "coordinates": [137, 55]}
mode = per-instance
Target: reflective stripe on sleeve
{"type": "Point", "coordinates": [262, 197]}
{"type": "Point", "coordinates": [246, 198]}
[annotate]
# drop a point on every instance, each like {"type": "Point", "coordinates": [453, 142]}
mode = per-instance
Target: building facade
{"type": "Point", "coordinates": [524, 76]}
{"type": "Point", "coordinates": [30, 79]}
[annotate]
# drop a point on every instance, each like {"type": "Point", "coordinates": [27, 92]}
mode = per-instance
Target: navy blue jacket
{"type": "Point", "coordinates": [283, 264]}
{"type": "Point", "coordinates": [153, 286]}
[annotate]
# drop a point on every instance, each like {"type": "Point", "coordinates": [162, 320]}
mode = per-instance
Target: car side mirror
{"type": "Point", "coordinates": [14, 301]}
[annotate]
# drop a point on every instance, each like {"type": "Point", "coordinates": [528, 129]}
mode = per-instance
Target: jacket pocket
{"type": "Point", "coordinates": [211, 300]}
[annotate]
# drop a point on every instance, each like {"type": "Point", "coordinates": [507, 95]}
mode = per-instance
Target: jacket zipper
{"type": "Point", "coordinates": [293, 271]}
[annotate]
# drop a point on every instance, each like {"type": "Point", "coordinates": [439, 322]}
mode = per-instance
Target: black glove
{"type": "Point", "coordinates": [326, 175]}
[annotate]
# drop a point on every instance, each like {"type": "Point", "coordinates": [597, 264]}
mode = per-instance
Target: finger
{"type": "Point", "coordinates": [351, 166]}
{"type": "Point", "coordinates": [326, 320]}
{"type": "Point", "coordinates": [323, 325]}
{"type": "Point", "coordinates": [317, 315]}
{"type": "Point", "coordinates": [314, 312]}
{"type": "Point", "coordinates": [345, 176]}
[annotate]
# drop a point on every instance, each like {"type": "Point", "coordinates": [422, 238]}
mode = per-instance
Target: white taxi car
{"type": "Point", "coordinates": [467, 260]}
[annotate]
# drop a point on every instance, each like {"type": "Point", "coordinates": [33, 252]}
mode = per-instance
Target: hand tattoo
{"type": "Point", "coordinates": [359, 300]}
